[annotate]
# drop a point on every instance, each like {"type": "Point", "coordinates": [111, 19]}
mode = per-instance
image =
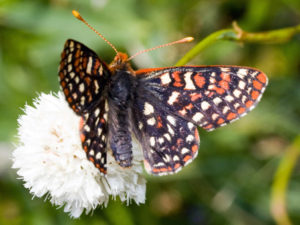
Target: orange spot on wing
{"type": "Point", "coordinates": [220, 121]}
{"type": "Point", "coordinates": [210, 94]}
{"type": "Point", "coordinates": [231, 116]}
{"type": "Point", "coordinates": [82, 137]}
{"type": "Point", "coordinates": [98, 166]}
{"type": "Point", "coordinates": [92, 159]}
{"type": "Point", "coordinates": [76, 63]}
{"type": "Point", "coordinates": [61, 66]}
{"type": "Point", "coordinates": [187, 158]}
{"type": "Point", "coordinates": [196, 133]}
{"type": "Point", "coordinates": [77, 54]}
{"type": "Point", "coordinates": [195, 96]}
{"type": "Point", "coordinates": [241, 110]}
{"type": "Point", "coordinates": [96, 67]}
{"type": "Point", "coordinates": [81, 122]}
{"type": "Point", "coordinates": [254, 94]}
{"type": "Point", "coordinates": [262, 77]}
{"type": "Point", "coordinates": [63, 83]}
{"type": "Point", "coordinates": [189, 106]}
{"type": "Point", "coordinates": [69, 99]}
{"type": "Point", "coordinates": [224, 84]}
{"type": "Point", "coordinates": [102, 170]}
{"type": "Point", "coordinates": [220, 91]}
{"type": "Point", "coordinates": [159, 122]}
{"type": "Point", "coordinates": [179, 142]}
{"type": "Point", "coordinates": [194, 148]}
{"type": "Point", "coordinates": [63, 54]}
{"type": "Point", "coordinates": [177, 165]}
{"type": "Point", "coordinates": [87, 80]}
{"type": "Point", "coordinates": [209, 126]}
{"type": "Point", "coordinates": [102, 120]}
{"type": "Point", "coordinates": [85, 148]}
{"type": "Point", "coordinates": [249, 103]}
{"type": "Point", "coordinates": [84, 62]}
{"type": "Point", "coordinates": [66, 91]}
{"type": "Point", "coordinates": [61, 75]}
{"type": "Point", "coordinates": [225, 76]}
{"type": "Point", "coordinates": [199, 80]}
{"type": "Point", "coordinates": [257, 85]}
{"type": "Point", "coordinates": [177, 79]}
{"type": "Point", "coordinates": [182, 112]}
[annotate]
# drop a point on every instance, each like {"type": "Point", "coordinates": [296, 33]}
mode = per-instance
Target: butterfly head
{"type": "Point", "coordinates": [120, 62]}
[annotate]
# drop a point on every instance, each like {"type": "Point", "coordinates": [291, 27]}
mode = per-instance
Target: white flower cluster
{"type": "Point", "coordinates": [52, 163]}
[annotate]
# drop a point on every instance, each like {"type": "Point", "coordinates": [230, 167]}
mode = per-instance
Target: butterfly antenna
{"type": "Point", "coordinates": [78, 16]}
{"type": "Point", "coordinates": [184, 40]}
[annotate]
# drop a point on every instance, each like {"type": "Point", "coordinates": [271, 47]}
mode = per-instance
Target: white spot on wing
{"type": "Point", "coordinates": [242, 85]}
{"type": "Point", "coordinates": [167, 136]}
{"type": "Point", "coordinates": [165, 78]}
{"type": "Point", "coordinates": [197, 117]}
{"type": "Point", "coordinates": [229, 98]}
{"type": "Point", "coordinates": [225, 109]}
{"type": "Point", "coordinates": [217, 100]}
{"type": "Point", "coordinates": [225, 69]}
{"type": "Point", "coordinates": [98, 156]}
{"type": "Point", "coordinates": [237, 93]}
{"type": "Point", "coordinates": [184, 151]}
{"type": "Point", "coordinates": [81, 87]}
{"type": "Point", "coordinates": [242, 73]}
{"type": "Point", "coordinates": [205, 105]}
{"type": "Point", "coordinates": [171, 131]}
{"type": "Point", "coordinates": [89, 65]}
{"type": "Point", "coordinates": [148, 109]}
{"type": "Point", "coordinates": [173, 97]}
{"type": "Point", "coordinates": [69, 68]}
{"type": "Point", "coordinates": [151, 121]}
{"type": "Point", "coordinates": [189, 138]}
{"type": "Point", "coordinates": [172, 120]}
{"type": "Point", "coordinates": [152, 141]}
{"type": "Point", "coordinates": [97, 111]}
{"type": "Point", "coordinates": [189, 85]}
{"type": "Point", "coordinates": [191, 125]}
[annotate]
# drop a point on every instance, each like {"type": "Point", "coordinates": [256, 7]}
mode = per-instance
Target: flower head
{"type": "Point", "coordinates": [52, 163]}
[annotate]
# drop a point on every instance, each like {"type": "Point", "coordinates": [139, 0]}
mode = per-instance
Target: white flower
{"type": "Point", "coordinates": [52, 163]}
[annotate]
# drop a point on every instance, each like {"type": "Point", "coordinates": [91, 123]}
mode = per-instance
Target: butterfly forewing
{"type": "Point", "coordinates": [83, 76]}
{"type": "Point", "coordinates": [207, 96]}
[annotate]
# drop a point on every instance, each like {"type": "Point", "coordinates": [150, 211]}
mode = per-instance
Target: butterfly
{"type": "Point", "coordinates": [160, 107]}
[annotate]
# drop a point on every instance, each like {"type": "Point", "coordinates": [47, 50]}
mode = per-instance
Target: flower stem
{"type": "Point", "coordinates": [239, 35]}
{"type": "Point", "coordinates": [279, 187]}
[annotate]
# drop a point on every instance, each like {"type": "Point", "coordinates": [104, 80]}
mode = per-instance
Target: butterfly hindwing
{"type": "Point", "coordinates": [169, 142]}
{"type": "Point", "coordinates": [83, 76]}
{"type": "Point", "coordinates": [209, 96]}
{"type": "Point", "coordinates": [93, 134]}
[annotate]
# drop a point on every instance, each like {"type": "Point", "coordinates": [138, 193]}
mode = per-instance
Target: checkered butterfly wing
{"type": "Point", "coordinates": [83, 78]}
{"type": "Point", "coordinates": [209, 97]}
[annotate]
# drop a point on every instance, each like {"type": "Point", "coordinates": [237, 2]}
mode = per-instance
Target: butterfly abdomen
{"type": "Point", "coordinates": [120, 98]}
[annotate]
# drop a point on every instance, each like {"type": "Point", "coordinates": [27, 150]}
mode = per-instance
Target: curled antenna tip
{"type": "Point", "coordinates": [77, 14]}
{"type": "Point", "coordinates": [188, 39]}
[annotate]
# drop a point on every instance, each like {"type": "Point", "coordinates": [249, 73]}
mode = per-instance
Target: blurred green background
{"type": "Point", "coordinates": [231, 179]}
